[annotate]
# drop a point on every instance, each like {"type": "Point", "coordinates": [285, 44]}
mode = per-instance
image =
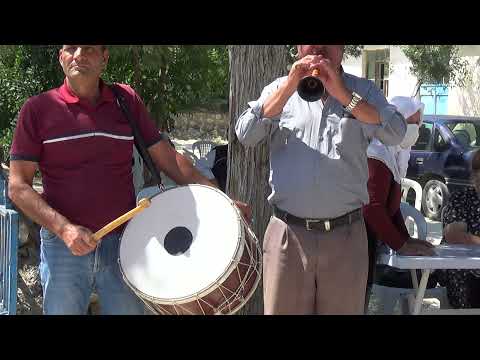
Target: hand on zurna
{"type": "Point", "coordinates": [330, 77]}
{"type": "Point", "coordinates": [301, 69]}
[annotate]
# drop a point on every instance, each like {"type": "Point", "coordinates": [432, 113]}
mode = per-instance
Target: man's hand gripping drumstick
{"type": "Point", "coordinates": [81, 241]}
{"type": "Point", "coordinates": [142, 204]}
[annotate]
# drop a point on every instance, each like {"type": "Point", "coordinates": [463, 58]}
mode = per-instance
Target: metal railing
{"type": "Point", "coordinates": [9, 225]}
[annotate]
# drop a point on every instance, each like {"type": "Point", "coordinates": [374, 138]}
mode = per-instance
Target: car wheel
{"type": "Point", "coordinates": [434, 198]}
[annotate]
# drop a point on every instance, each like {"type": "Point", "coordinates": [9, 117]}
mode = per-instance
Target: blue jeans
{"type": "Point", "coordinates": [68, 280]}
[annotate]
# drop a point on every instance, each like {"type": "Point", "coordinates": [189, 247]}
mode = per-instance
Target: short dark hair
{"type": "Point", "coordinates": [103, 47]}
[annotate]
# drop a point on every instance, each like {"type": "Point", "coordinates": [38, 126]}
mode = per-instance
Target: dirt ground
{"type": "Point", "coordinates": [29, 292]}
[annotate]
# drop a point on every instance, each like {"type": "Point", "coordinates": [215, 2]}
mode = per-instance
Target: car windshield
{"type": "Point", "coordinates": [466, 132]}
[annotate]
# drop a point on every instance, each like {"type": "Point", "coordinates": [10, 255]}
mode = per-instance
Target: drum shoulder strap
{"type": "Point", "coordinates": [138, 138]}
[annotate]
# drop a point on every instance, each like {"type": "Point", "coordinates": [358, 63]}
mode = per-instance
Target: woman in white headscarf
{"type": "Point", "coordinates": [387, 166]}
{"type": "Point", "coordinates": [396, 157]}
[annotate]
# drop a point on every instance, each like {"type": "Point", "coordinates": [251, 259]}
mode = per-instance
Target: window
{"type": "Point", "coordinates": [466, 133]}
{"type": "Point", "coordinates": [440, 142]}
{"type": "Point", "coordinates": [424, 137]}
{"type": "Point", "coordinates": [435, 98]}
{"type": "Point", "coordinates": [376, 67]}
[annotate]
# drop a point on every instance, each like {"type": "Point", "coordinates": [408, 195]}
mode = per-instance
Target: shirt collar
{"type": "Point", "coordinates": [69, 97]}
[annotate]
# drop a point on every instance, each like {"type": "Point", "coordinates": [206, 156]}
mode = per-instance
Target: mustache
{"type": "Point", "coordinates": [81, 64]}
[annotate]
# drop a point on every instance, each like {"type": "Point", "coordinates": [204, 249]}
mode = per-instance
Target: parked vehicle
{"type": "Point", "coordinates": [441, 159]}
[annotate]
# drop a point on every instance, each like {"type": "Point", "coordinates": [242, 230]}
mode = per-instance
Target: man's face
{"type": "Point", "coordinates": [83, 61]}
{"type": "Point", "coordinates": [334, 53]}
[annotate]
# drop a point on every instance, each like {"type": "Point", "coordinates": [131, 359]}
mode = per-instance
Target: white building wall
{"type": "Point", "coordinates": [401, 81]}
{"type": "Point", "coordinates": [466, 100]}
{"type": "Point", "coordinates": [461, 101]}
{"type": "Point", "coordinates": [353, 65]}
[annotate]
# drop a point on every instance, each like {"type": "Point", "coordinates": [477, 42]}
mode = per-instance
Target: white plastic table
{"type": "Point", "coordinates": [447, 257]}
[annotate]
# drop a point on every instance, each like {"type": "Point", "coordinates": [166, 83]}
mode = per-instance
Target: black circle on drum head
{"type": "Point", "coordinates": [178, 241]}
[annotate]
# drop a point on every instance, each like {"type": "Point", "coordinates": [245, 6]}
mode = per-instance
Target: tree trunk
{"type": "Point", "coordinates": [252, 67]}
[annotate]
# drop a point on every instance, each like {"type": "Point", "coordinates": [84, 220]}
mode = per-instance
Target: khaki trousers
{"type": "Point", "coordinates": [313, 272]}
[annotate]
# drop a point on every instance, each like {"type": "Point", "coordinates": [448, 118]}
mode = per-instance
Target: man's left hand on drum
{"type": "Point", "coordinates": [245, 209]}
{"type": "Point", "coordinates": [78, 239]}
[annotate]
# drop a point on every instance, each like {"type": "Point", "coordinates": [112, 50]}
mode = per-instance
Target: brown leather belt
{"type": "Point", "coordinates": [324, 225]}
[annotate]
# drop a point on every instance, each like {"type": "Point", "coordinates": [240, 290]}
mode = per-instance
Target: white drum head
{"type": "Point", "coordinates": [155, 255]}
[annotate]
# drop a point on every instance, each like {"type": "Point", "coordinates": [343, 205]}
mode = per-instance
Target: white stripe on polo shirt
{"type": "Point", "coordinates": [74, 137]}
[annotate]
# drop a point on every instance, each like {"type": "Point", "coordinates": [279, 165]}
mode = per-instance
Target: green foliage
{"type": "Point", "coordinates": [353, 50]}
{"type": "Point", "coordinates": [25, 70]}
{"type": "Point", "coordinates": [437, 64]}
{"type": "Point", "coordinates": [170, 79]}
{"type": "Point", "coordinates": [173, 79]}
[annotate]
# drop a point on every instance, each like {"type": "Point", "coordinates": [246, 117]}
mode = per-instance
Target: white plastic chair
{"type": "Point", "coordinates": [408, 184]}
{"type": "Point", "coordinates": [190, 155]}
{"type": "Point", "coordinates": [203, 147]}
{"type": "Point", "coordinates": [409, 212]}
{"type": "Point", "coordinates": [389, 296]}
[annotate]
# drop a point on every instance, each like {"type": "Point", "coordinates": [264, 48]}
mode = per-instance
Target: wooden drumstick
{"type": "Point", "coordinates": [142, 204]}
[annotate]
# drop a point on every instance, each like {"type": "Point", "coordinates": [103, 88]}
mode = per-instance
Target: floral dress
{"type": "Point", "coordinates": [463, 286]}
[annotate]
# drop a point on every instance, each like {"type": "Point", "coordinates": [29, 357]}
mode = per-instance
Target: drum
{"type": "Point", "coordinates": [191, 253]}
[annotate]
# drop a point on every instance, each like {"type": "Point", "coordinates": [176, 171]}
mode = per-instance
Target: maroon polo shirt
{"type": "Point", "coordinates": [84, 152]}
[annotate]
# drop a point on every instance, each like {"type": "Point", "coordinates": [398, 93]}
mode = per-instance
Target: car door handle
{"type": "Point", "coordinates": [419, 161]}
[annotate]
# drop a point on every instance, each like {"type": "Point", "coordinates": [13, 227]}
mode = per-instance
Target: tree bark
{"type": "Point", "coordinates": [252, 67]}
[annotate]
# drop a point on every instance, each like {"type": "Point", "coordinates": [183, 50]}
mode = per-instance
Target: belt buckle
{"type": "Point", "coordinates": [314, 221]}
{"type": "Point", "coordinates": [327, 225]}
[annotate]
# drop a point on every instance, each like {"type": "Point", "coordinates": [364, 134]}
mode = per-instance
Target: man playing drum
{"type": "Point", "coordinates": [315, 247]}
{"type": "Point", "coordinates": [78, 138]}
